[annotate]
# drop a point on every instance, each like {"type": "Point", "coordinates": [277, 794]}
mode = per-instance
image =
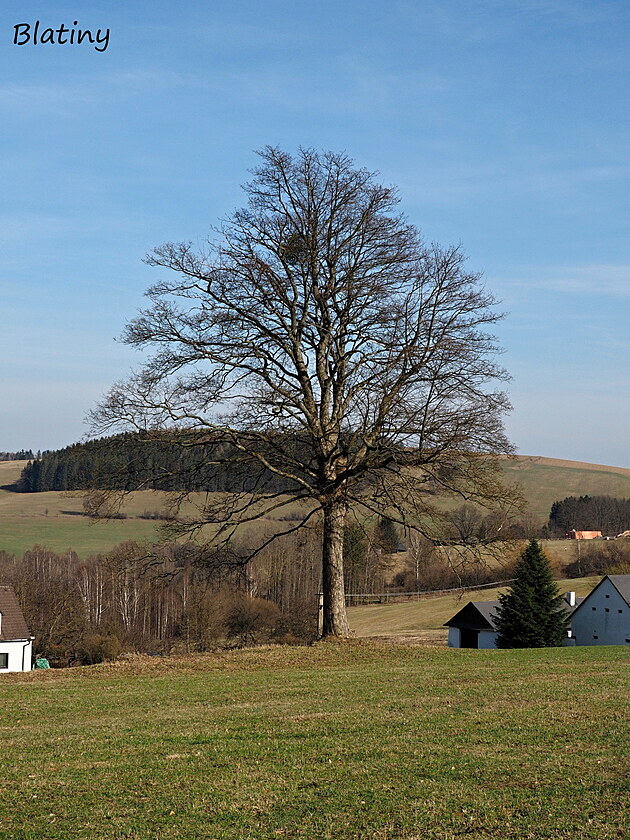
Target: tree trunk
{"type": "Point", "coordinates": [335, 619]}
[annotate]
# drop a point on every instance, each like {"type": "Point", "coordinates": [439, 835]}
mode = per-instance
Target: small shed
{"type": "Point", "coordinates": [473, 626]}
{"type": "Point", "coordinates": [16, 642]}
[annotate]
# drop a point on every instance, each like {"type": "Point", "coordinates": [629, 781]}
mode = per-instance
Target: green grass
{"type": "Point", "coordinates": [79, 534]}
{"type": "Point", "coordinates": [53, 520]}
{"type": "Point", "coordinates": [348, 740]}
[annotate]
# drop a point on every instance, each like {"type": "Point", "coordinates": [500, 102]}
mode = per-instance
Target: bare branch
{"type": "Point", "coordinates": [321, 339]}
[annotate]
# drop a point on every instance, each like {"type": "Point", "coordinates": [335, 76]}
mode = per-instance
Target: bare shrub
{"type": "Point", "coordinates": [251, 620]}
{"type": "Point", "coordinates": [600, 558]}
{"type": "Point", "coordinates": [94, 648]}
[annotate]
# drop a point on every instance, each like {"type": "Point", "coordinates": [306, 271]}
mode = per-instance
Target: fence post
{"type": "Point", "coordinates": [320, 614]}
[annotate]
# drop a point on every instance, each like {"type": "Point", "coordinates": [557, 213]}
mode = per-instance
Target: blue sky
{"type": "Point", "coordinates": [505, 126]}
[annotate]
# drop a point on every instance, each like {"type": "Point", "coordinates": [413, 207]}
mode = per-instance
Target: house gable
{"type": "Point", "coordinates": [476, 615]}
{"type": "Point", "coordinates": [603, 617]}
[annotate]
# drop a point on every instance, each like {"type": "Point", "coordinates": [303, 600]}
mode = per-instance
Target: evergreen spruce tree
{"type": "Point", "coordinates": [532, 613]}
{"type": "Point", "coordinates": [387, 535]}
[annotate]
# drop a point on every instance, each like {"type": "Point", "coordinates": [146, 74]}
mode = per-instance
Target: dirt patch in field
{"type": "Point", "coordinates": [423, 638]}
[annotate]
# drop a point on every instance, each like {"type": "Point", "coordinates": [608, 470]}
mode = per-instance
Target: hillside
{"type": "Point", "coordinates": [546, 480]}
{"type": "Point", "coordinates": [53, 518]}
{"type": "Point", "coordinates": [56, 519]}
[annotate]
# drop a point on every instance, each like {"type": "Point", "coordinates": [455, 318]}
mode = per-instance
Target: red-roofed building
{"type": "Point", "coordinates": [584, 535]}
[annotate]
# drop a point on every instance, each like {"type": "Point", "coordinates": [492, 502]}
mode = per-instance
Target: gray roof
{"type": "Point", "coordinates": [487, 608]}
{"type": "Point", "coordinates": [476, 614]}
{"type": "Point", "coordinates": [622, 585]}
{"type": "Point", "coordinates": [481, 614]}
{"type": "Point", "coordinates": [13, 627]}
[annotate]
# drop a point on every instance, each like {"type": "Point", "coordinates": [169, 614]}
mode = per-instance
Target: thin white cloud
{"type": "Point", "coordinates": [72, 94]}
{"type": "Point", "coordinates": [565, 12]}
{"type": "Point", "coordinates": [493, 20]}
{"type": "Point", "coordinates": [595, 279]}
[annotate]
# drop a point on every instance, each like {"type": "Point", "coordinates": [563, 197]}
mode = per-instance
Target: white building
{"type": "Point", "coordinates": [16, 643]}
{"type": "Point", "coordinates": [603, 617]}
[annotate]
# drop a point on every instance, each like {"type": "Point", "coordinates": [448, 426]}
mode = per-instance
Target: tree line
{"type": "Point", "coordinates": [155, 599]}
{"type": "Point", "coordinates": [171, 461]}
{"type": "Point", "coordinates": [607, 514]}
{"type": "Point", "coordinates": [180, 596]}
{"type": "Point", "coordinates": [20, 455]}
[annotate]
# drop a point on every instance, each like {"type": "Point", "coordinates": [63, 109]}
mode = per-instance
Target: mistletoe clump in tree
{"type": "Point", "coordinates": [533, 613]}
{"type": "Point", "coordinates": [319, 337]}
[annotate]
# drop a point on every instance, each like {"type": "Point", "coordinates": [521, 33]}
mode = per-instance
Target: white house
{"type": "Point", "coordinates": [603, 617]}
{"type": "Point", "coordinates": [16, 643]}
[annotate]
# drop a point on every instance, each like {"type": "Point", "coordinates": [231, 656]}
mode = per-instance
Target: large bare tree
{"type": "Point", "coordinates": [319, 337]}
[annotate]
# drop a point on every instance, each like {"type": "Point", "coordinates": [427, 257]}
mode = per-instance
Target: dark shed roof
{"type": "Point", "coordinates": [476, 615]}
{"type": "Point", "coordinates": [13, 627]}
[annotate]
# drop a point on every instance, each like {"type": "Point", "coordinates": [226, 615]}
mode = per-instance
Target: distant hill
{"type": "Point", "coordinates": [546, 480]}
{"type": "Point", "coordinates": [53, 518]}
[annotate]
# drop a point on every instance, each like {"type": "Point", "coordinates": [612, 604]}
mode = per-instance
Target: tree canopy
{"type": "Point", "coordinates": [532, 613]}
{"type": "Point", "coordinates": [319, 335]}
{"type": "Point", "coordinates": [607, 514]}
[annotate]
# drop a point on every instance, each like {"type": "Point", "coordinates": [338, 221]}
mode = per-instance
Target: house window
{"type": "Point", "coordinates": [608, 596]}
{"type": "Point", "coordinates": [606, 610]}
{"type": "Point", "coordinates": [593, 608]}
{"type": "Point", "coordinates": [619, 611]}
{"type": "Point", "coordinates": [4, 661]}
{"type": "Point", "coordinates": [595, 637]}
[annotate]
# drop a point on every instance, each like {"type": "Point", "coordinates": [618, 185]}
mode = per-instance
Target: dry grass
{"type": "Point", "coordinates": [10, 471]}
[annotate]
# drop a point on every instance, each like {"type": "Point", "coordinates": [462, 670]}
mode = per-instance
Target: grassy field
{"type": "Point", "coordinates": [546, 480]}
{"type": "Point", "coordinates": [424, 619]}
{"type": "Point", "coordinates": [53, 520]}
{"type": "Point", "coordinates": [353, 740]}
